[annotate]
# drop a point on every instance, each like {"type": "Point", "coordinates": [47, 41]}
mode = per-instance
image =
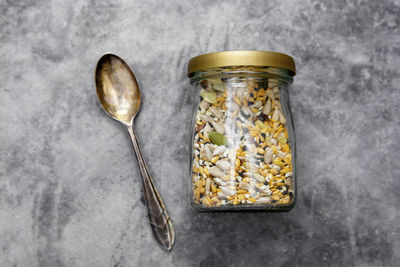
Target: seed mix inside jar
{"type": "Point", "coordinates": [242, 154]}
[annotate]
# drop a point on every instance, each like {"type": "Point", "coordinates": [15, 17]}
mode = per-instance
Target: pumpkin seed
{"type": "Point", "coordinates": [209, 96]}
{"type": "Point", "coordinates": [217, 138]}
{"type": "Point", "coordinates": [219, 87]}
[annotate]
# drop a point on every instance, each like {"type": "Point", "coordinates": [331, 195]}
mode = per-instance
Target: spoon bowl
{"type": "Point", "coordinates": [117, 88]}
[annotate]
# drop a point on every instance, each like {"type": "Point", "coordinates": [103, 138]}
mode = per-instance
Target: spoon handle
{"type": "Point", "coordinates": [160, 221]}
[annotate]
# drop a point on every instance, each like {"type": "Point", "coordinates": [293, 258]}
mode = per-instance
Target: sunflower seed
{"type": "Point", "coordinates": [206, 130]}
{"type": "Point", "coordinates": [223, 165]}
{"type": "Point", "coordinates": [267, 107]}
{"type": "Point", "coordinates": [208, 184]}
{"type": "Point", "coordinates": [263, 200]}
{"type": "Point", "coordinates": [228, 191]}
{"type": "Point", "coordinates": [234, 107]}
{"type": "Point", "coordinates": [219, 150]}
{"type": "Point", "coordinates": [204, 105]}
{"type": "Point", "coordinates": [282, 118]}
{"type": "Point", "coordinates": [208, 153]}
{"type": "Point", "coordinates": [275, 115]}
{"type": "Point", "coordinates": [244, 186]}
{"type": "Point", "coordinates": [270, 94]}
{"type": "Point", "coordinates": [219, 128]}
{"type": "Point", "coordinates": [215, 171]}
{"type": "Point", "coordinates": [268, 156]}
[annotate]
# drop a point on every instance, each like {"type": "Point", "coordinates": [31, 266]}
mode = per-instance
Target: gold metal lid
{"type": "Point", "coordinates": [241, 58]}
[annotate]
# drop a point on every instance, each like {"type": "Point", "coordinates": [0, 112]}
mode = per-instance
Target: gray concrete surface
{"type": "Point", "coordinates": [70, 193]}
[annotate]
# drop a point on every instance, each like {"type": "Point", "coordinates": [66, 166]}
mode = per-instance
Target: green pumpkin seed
{"type": "Point", "coordinates": [217, 138]}
{"type": "Point", "coordinates": [219, 87]}
{"type": "Point", "coordinates": [209, 96]}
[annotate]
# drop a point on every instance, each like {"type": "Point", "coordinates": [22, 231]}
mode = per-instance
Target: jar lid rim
{"type": "Point", "coordinates": [241, 58]}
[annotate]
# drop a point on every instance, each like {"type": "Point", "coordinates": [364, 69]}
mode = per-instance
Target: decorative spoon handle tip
{"type": "Point", "coordinates": [160, 221]}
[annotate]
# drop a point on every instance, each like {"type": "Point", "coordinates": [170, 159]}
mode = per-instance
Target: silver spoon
{"type": "Point", "coordinates": [119, 95]}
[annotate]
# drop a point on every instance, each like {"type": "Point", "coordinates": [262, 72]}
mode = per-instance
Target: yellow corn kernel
{"type": "Point", "coordinates": [278, 131]}
{"type": "Point", "coordinates": [215, 159]}
{"type": "Point", "coordinates": [203, 137]}
{"type": "Point", "coordinates": [237, 101]}
{"type": "Point", "coordinates": [235, 201]}
{"type": "Point", "coordinates": [241, 197]}
{"type": "Point", "coordinates": [198, 183]}
{"type": "Point", "coordinates": [260, 150]}
{"type": "Point", "coordinates": [213, 188]}
{"type": "Point", "coordinates": [275, 126]}
{"type": "Point", "coordinates": [206, 202]}
{"type": "Point", "coordinates": [245, 103]}
{"type": "Point", "coordinates": [254, 110]}
{"type": "Point", "coordinates": [275, 197]}
{"type": "Point", "coordinates": [206, 171]}
{"type": "Point", "coordinates": [197, 194]}
{"type": "Point", "coordinates": [271, 123]}
{"type": "Point", "coordinates": [286, 133]}
{"type": "Point", "coordinates": [274, 149]}
{"type": "Point", "coordinates": [276, 192]}
{"type": "Point", "coordinates": [265, 129]}
{"type": "Point", "coordinates": [251, 199]}
{"type": "Point", "coordinates": [285, 170]}
{"type": "Point", "coordinates": [285, 148]}
{"type": "Point", "coordinates": [264, 145]}
{"type": "Point", "coordinates": [215, 200]}
{"type": "Point", "coordinates": [263, 173]}
{"type": "Point", "coordinates": [241, 191]}
{"type": "Point", "coordinates": [237, 163]}
{"type": "Point", "coordinates": [284, 201]}
{"type": "Point", "coordinates": [278, 162]}
{"type": "Point", "coordinates": [273, 171]}
{"type": "Point", "coordinates": [195, 169]}
{"type": "Point", "coordinates": [246, 180]}
{"type": "Point", "coordinates": [288, 161]}
{"type": "Point", "coordinates": [202, 190]}
{"type": "Point", "coordinates": [226, 178]}
{"type": "Point", "coordinates": [253, 133]}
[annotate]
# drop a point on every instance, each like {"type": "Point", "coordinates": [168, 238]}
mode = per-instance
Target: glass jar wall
{"type": "Point", "coordinates": [243, 144]}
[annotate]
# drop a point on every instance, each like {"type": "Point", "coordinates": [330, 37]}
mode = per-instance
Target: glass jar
{"type": "Point", "coordinates": [242, 142]}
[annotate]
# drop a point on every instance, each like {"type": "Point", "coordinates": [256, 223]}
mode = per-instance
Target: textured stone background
{"type": "Point", "coordinates": [69, 185]}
